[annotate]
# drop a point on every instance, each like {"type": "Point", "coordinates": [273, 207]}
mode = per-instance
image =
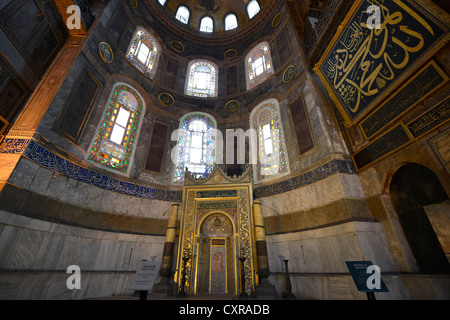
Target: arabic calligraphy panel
{"type": "Point", "coordinates": [364, 63]}
{"type": "Point", "coordinates": [428, 80]}
{"type": "Point", "coordinates": [382, 147]}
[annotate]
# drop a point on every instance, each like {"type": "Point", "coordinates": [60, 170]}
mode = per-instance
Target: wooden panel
{"type": "Point", "coordinates": [170, 79]}
{"type": "Point", "coordinates": [301, 125]}
{"type": "Point", "coordinates": [157, 146]}
{"type": "Point", "coordinates": [76, 112]}
{"type": "Point", "coordinates": [284, 50]}
{"type": "Point", "coordinates": [232, 80]}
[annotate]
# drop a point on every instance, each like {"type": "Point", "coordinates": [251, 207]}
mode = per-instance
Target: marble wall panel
{"type": "Point", "coordinates": [38, 254]}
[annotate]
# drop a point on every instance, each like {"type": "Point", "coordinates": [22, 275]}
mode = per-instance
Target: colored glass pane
{"type": "Point", "coordinates": [144, 52]}
{"type": "Point", "coordinates": [117, 133]}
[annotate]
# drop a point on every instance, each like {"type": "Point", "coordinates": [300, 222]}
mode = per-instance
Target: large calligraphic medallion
{"type": "Point", "coordinates": [106, 52]}
{"type": "Point", "coordinates": [366, 61]}
{"type": "Point", "coordinates": [177, 46]}
{"type": "Point", "coordinates": [166, 99]}
{"type": "Point", "coordinates": [289, 74]}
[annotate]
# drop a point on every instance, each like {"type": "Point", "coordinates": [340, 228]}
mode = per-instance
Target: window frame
{"type": "Point", "coordinates": [248, 8]}
{"type": "Point", "coordinates": [188, 14]}
{"type": "Point", "coordinates": [273, 107]}
{"type": "Point", "coordinates": [252, 79]}
{"type": "Point", "coordinates": [183, 148]}
{"type": "Point", "coordinates": [148, 69]}
{"type": "Point", "coordinates": [201, 21]}
{"type": "Point", "coordinates": [101, 141]}
{"type": "Point", "coordinates": [189, 89]}
{"type": "Point", "coordinates": [225, 21]}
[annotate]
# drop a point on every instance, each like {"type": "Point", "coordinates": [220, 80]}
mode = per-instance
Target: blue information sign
{"type": "Point", "coordinates": [367, 276]}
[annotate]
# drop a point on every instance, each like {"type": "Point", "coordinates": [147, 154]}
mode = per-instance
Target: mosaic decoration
{"type": "Point", "coordinates": [259, 65]}
{"type": "Point", "coordinates": [202, 79]}
{"type": "Point", "coordinates": [116, 137]}
{"type": "Point", "coordinates": [166, 99]}
{"type": "Point", "coordinates": [430, 120]}
{"type": "Point", "coordinates": [367, 58]}
{"type": "Point", "coordinates": [230, 54]}
{"type": "Point", "coordinates": [232, 106]}
{"type": "Point", "coordinates": [106, 52]}
{"type": "Point", "coordinates": [387, 144]}
{"type": "Point", "coordinates": [14, 146]}
{"type": "Point", "coordinates": [177, 46]}
{"type": "Point", "coordinates": [274, 162]}
{"type": "Point", "coordinates": [144, 52]}
{"type": "Point", "coordinates": [185, 134]}
{"type": "Point", "coordinates": [428, 80]}
{"type": "Point", "coordinates": [289, 74]}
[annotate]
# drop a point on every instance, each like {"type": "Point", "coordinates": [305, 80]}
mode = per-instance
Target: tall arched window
{"type": "Point", "coordinates": [253, 8]}
{"type": "Point", "coordinates": [272, 152]}
{"type": "Point", "coordinates": [206, 24]}
{"type": "Point", "coordinates": [117, 133]}
{"type": "Point", "coordinates": [259, 65]}
{"type": "Point", "coordinates": [231, 22]}
{"type": "Point", "coordinates": [182, 14]}
{"type": "Point", "coordinates": [196, 146]}
{"type": "Point", "coordinates": [144, 52]}
{"type": "Point", "coordinates": [162, 2]}
{"type": "Point", "coordinates": [202, 79]}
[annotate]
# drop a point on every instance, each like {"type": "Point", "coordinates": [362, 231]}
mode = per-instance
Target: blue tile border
{"type": "Point", "coordinates": [320, 173]}
{"type": "Point", "coordinates": [37, 153]}
{"type": "Point", "coordinates": [49, 160]}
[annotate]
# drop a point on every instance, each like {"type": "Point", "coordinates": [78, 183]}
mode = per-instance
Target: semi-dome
{"type": "Point", "coordinates": [213, 19]}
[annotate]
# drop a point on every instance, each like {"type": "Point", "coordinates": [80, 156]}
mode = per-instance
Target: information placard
{"type": "Point", "coordinates": [145, 276]}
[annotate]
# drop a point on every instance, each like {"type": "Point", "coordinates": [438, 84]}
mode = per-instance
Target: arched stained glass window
{"type": "Point", "coordinates": [182, 14]}
{"type": "Point", "coordinates": [231, 22]}
{"type": "Point", "coordinates": [144, 52]}
{"type": "Point", "coordinates": [196, 146]}
{"type": "Point", "coordinates": [206, 24]}
{"type": "Point", "coordinates": [202, 79]}
{"type": "Point", "coordinates": [117, 134]}
{"type": "Point", "coordinates": [253, 8]}
{"type": "Point", "coordinates": [272, 152]}
{"type": "Point", "coordinates": [258, 65]}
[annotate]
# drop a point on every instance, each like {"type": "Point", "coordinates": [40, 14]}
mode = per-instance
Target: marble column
{"type": "Point", "coordinates": [265, 290]}
{"type": "Point", "coordinates": [164, 288]}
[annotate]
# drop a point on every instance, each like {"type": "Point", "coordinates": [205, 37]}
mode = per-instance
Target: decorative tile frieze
{"type": "Point", "coordinates": [315, 175]}
{"type": "Point", "coordinates": [49, 160]}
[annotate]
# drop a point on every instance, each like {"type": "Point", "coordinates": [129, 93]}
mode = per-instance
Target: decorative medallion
{"type": "Point", "coordinates": [217, 178]}
{"type": "Point", "coordinates": [289, 74]}
{"type": "Point", "coordinates": [106, 52]}
{"type": "Point", "coordinates": [166, 99]}
{"type": "Point", "coordinates": [276, 20]}
{"type": "Point", "coordinates": [230, 54]}
{"type": "Point", "coordinates": [133, 3]}
{"type": "Point", "coordinates": [177, 46]}
{"type": "Point", "coordinates": [232, 106]}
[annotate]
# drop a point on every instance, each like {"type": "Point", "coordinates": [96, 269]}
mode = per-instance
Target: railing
{"type": "Point", "coordinates": [327, 15]}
